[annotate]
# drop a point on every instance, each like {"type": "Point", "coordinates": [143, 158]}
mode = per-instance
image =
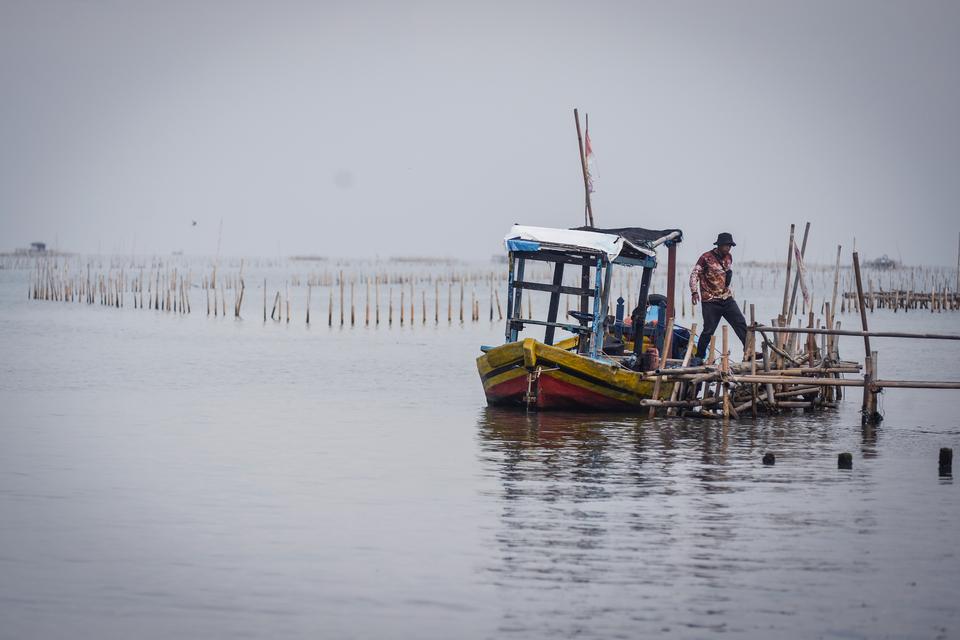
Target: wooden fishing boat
{"type": "Point", "coordinates": [600, 366]}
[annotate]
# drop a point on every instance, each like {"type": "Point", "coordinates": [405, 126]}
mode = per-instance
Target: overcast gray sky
{"type": "Point", "coordinates": [363, 128]}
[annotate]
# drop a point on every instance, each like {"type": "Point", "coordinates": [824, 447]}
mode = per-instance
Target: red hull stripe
{"type": "Point", "coordinates": [559, 394]}
{"type": "Point", "coordinates": [553, 393]}
{"type": "Point", "coordinates": [508, 392]}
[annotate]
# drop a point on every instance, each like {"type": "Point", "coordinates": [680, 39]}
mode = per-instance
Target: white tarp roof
{"type": "Point", "coordinates": [606, 243]}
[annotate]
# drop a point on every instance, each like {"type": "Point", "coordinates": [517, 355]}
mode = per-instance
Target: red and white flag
{"type": "Point", "coordinates": [591, 162]}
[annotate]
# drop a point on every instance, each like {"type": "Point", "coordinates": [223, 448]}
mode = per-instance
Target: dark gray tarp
{"type": "Point", "coordinates": [636, 235]}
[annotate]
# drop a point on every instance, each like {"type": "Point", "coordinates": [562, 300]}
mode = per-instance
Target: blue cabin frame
{"type": "Point", "coordinates": [595, 285]}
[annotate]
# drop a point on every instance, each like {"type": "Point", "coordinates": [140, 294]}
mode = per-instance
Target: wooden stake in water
{"type": "Point", "coordinates": [836, 281]}
{"type": "Point", "coordinates": [491, 299]}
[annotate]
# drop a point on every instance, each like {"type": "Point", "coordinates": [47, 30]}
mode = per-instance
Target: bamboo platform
{"type": "Point", "coordinates": [798, 367]}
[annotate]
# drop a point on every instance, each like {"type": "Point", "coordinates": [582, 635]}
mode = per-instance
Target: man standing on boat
{"type": "Point", "coordinates": [710, 281]}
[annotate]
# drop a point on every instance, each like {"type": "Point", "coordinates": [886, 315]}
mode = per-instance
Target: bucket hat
{"type": "Point", "coordinates": [725, 238]}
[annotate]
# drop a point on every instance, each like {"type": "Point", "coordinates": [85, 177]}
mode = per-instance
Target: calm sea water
{"type": "Point", "coordinates": [165, 476]}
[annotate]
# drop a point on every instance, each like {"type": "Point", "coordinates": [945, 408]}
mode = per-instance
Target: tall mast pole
{"type": "Point", "coordinates": [588, 213]}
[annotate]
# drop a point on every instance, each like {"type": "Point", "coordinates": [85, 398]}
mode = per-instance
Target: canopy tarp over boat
{"type": "Point", "coordinates": [632, 243]}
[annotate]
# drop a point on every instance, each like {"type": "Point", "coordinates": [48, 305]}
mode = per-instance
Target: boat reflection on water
{"type": "Point", "coordinates": [591, 439]}
{"type": "Point", "coordinates": [606, 520]}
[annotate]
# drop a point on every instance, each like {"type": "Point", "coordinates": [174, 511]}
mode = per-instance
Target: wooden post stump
{"type": "Point", "coordinates": [946, 461]}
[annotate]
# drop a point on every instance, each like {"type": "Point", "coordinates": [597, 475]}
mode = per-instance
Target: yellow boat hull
{"type": "Point", "coordinates": [536, 375]}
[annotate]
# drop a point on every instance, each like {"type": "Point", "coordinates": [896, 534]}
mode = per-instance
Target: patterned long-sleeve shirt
{"type": "Point", "coordinates": [709, 275]}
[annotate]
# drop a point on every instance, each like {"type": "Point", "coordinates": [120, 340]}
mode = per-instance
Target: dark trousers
{"type": "Point", "coordinates": [712, 313]}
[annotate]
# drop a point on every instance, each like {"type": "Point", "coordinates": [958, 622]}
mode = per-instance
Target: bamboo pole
{"type": "Point", "coordinates": [796, 279]}
{"type": "Point", "coordinates": [588, 217]}
{"type": "Point", "coordinates": [818, 381]}
{"type": "Point", "coordinates": [725, 368]}
{"type": "Point", "coordinates": [675, 393]}
{"type": "Point", "coordinates": [667, 342]}
{"type": "Point", "coordinates": [786, 280]}
{"type": "Point", "coordinates": [798, 392]}
{"type": "Point", "coordinates": [753, 360]}
{"type": "Point", "coordinates": [916, 384]}
{"type": "Point", "coordinates": [653, 404]}
{"type": "Point", "coordinates": [851, 382]}
{"type": "Point", "coordinates": [860, 304]}
{"type": "Point", "coordinates": [836, 281]}
{"type": "Point", "coordinates": [870, 414]}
